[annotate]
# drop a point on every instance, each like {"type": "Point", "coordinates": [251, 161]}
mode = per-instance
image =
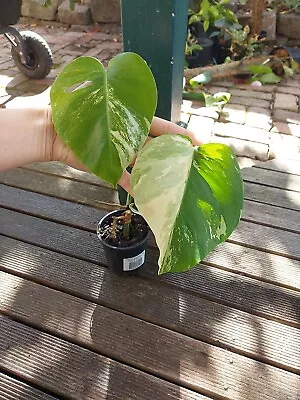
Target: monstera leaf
{"type": "Point", "coordinates": [104, 116]}
{"type": "Point", "coordinates": [192, 198]}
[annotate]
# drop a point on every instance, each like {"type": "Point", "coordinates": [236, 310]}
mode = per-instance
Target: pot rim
{"type": "Point", "coordinates": [138, 243]}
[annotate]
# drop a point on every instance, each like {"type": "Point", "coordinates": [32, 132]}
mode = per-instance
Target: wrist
{"type": "Point", "coordinates": [49, 137]}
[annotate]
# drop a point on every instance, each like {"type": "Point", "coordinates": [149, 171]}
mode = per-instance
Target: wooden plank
{"type": "Point", "coordinates": [273, 196]}
{"type": "Point", "coordinates": [272, 178]}
{"type": "Point", "coordinates": [12, 389]}
{"type": "Point", "coordinates": [238, 291]}
{"type": "Point", "coordinates": [60, 313]}
{"type": "Point", "coordinates": [276, 217]}
{"type": "Point", "coordinates": [59, 187]}
{"type": "Point", "coordinates": [82, 216]}
{"type": "Point", "coordinates": [228, 256]}
{"type": "Point", "coordinates": [267, 238]}
{"type": "Point", "coordinates": [136, 343]}
{"type": "Point", "coordinates": [63, 211]}
{"type": "Point", "coordinates": [256, 264]}
{"type": "Point", "coordinates": [62, 170]}
{"type": "Point", "coordinates": [51, 235]}
{"type": "Point", "coordinates": [91, 195]}
{"type": "Point", "coordinates": [45, 233]}
{"type": "Point", "coordinates": [218, 324]}
{"type": "Point", "coordinates": [281, 165]}
{"type": "Point", "coordinates": [77, 373]}
{"type": "Point", "coordinates": [157, 31]}
{"type": "Point", "coordinates": [86, 246]}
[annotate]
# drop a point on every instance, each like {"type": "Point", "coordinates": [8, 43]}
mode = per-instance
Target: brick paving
{"type": "Point", "coordinates": [259, 122]}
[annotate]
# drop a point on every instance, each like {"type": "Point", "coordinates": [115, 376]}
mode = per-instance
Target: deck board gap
{"type": "Point", "coordinates": [270, 186]}
{"type": "Point", "coordinates": [275, 170]}
{"type": "Point", "coordinates": [33, 385]}
{"type": "Point", "coordinates": [257, 278]}
{"type": "Point", "coordinates": [270, 204]}
{"type": "Point", "coordinates": [280, 228]}
{"type": "Point", "coordinates": [268, 251]}
{"type": "Point", "coordinates": [48, 218]}
{"type": "Point", "coordinates": [73, 179]}
{"type": "Point", "coordinates": [101, 205]}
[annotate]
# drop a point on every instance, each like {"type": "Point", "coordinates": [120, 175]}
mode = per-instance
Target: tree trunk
{"type": "Point", "coordinates": [258, 7]}
{"type": "Point", "coordinates": [225, 70]}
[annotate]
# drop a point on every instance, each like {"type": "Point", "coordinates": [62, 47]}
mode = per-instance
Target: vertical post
{"type": "Point", "coordinates": [156, 30]}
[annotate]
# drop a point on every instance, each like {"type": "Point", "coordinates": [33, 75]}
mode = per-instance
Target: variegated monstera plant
{"type": "Point", "coordinates": [191, 197]}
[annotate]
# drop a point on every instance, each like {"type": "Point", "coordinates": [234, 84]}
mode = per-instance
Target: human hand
{"type": "Point", "coordinates": [159, 127]}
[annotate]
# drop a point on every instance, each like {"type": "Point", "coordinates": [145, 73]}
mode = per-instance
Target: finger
{"type": "Point", "coordinates": [161, 126]}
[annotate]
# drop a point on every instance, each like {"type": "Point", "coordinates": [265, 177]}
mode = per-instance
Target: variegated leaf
{"type": "Point", "coordinates": [104, 116]}
{"type": "Point", "coordinates": [192, 198]}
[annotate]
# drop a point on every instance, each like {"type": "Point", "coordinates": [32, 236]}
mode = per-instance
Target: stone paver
{"type": "Point", "coordinates": [250, 101]}
{"type": "Point", "coordinates": [286, 128]}
{"type": "Point", "coordinates": [287, 116]}
{"type": "Point", "coordinates": [198, 108]}
{"type": "Point", "coordinates": [251, 94]}
{"type": "Point", "coordinates": [284, 146]}
{"type": "Point", "coordinates": [286, 102]}
{"type": "Point", "coordinates": [289, 89]}
{"type": "Point", "coordinates": [259, 118]}
{"type": "Point", "coordinates": [235, 113]}
{"type": "Point", "coordinates": [201, 125]}
{"type": "Point", "coordinates": [258, 122]}
{"type": "Point", "coordinates": [241, 132]}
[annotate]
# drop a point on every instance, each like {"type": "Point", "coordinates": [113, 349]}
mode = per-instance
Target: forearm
{"type": "Point", "coordinates": [26, 136]}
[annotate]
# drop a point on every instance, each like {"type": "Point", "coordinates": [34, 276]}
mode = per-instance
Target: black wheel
{"type": "Point", "coordinates": [39, 53]}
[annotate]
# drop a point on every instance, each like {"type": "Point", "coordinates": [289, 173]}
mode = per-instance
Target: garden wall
{"type": "Point", "coordinates": [85, 12]}
{"type": "Point", "coordinates": [108, 11]}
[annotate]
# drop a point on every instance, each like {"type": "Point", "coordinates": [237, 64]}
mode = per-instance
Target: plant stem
{"type": "Point", "coordinates": [128, 199]}
{"type": "Point", "coordinates": [127, 223]}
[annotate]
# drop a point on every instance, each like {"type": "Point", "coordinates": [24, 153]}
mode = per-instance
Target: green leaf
{"type": "Point", "coordinates": [259, 69]}
{"type": "Point", "coordinates": [192, 198]}
{"type": "Point", "coordinates": [194, 18]}
{"type": "Point", "coordinates": [202, 79]}
{"type": "Point", "coordinates": [72, 5]}
{"type": "Point", "coordinates": [198, 96]}
{"type": "Point", "coordinates": [220, 23]}
{"type": "Point", "coordinates": [218, 99]}
{"type": "Point", "coordinates": [294, 65]}
{"type": "Point", "coordinates": [288, 71]}
{"type": "Point", "coordinates": [109, 112]}
{"type": "Point", "coordinates": [268, 78]}
{"type": "Point", "coordinates": [206, 25]}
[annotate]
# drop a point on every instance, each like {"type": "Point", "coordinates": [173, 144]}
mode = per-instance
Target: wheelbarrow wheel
{"type": "Point", "coordinates": [39, 53]}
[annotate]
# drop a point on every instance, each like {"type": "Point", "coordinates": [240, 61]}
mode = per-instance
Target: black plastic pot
{"type": "Point", "coordinates": [197, 30]}
{"type": "Point", "coordinates": [123, 260]}
{"type": "Point", "coordinates": [10, 12]}
{"type": "Point", "coordinates": [200, 58]}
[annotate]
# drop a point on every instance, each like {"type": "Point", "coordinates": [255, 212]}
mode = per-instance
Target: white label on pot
{"type": "Point", "coordinates": [132, 263]}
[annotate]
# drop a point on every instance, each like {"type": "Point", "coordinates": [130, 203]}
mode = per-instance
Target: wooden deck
{"type": "Point", "coordinates": [69, 329]}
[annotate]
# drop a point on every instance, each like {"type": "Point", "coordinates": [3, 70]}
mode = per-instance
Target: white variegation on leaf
{"type": "Point", "coordinates": [191, 197]}
{"type": "Point", "coordinates": [104, 116]}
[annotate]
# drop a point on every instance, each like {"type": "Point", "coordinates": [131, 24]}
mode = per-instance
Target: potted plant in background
{"type": "Point", "coordinates": [208, 23]}
{"type": "Point", "coordinates": [191, 197]}
{"type": "Point", "coordinates": [198, 53]}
